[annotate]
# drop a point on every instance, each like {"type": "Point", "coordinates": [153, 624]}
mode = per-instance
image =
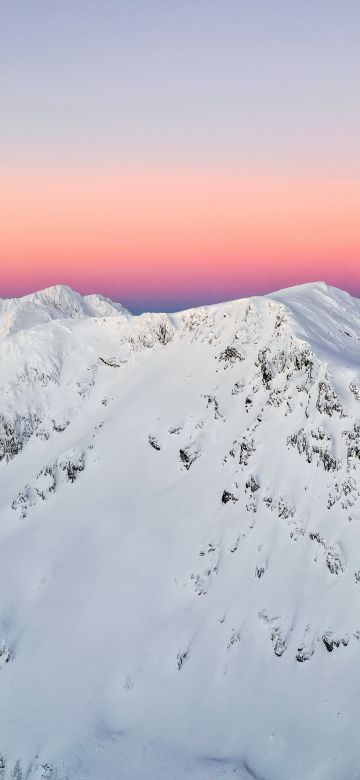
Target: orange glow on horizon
{"type": "Point", "coordinates": [171, 227]}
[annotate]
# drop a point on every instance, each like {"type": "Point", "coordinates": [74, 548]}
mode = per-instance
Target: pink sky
{"type": "Point", "coordinates": [169, 235]}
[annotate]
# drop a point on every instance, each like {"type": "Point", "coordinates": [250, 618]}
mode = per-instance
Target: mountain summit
{"type": "Point", "coordinates": [53, 303]}
{"type": "Point", "coordinates": [180, 538]}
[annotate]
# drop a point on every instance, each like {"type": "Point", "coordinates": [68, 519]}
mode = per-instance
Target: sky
{"type": "Point", "coordinates": [169, 153]}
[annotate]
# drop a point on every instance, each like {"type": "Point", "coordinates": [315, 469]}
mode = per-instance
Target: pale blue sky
{"type": "Point", "coordinates": [237, 82]}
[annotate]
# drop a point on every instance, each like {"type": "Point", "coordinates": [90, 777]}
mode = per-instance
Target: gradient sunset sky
{"type": "Point", "coordinates": [174, 152]}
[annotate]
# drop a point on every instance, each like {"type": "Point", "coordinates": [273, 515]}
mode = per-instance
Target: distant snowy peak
{"type": "Point", "coordinates": [104, 307]}
{"type": "Point", "coordinates": [53, 303]}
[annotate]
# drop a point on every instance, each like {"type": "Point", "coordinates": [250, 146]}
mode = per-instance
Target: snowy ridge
{"type": "Point", "coordinates": [180, 538]}
{"type": "Point", "coordinates": [54, 303]}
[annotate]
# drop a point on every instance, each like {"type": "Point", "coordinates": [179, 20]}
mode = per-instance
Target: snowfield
{"type": "Point", "coordinates": [180, 539]}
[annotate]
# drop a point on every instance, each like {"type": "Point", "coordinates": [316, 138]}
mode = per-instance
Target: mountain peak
{"type": "Point", "coordinates": [51, 303]}
{"type": "Point", "coordinates": [60, 295]}
{"type": "Point", "coordinates": [180, 521]}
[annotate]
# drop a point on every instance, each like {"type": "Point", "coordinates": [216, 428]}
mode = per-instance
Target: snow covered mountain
{"type": "Point", "coordinates": [59, 302]}
{"type": "Point", "coordinates": [180, 539]}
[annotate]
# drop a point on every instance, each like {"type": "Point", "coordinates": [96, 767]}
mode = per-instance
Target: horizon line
{"type": "Point", "coordinates": [137, 310]}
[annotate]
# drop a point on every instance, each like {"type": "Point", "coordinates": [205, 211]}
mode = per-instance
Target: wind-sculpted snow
{"type": "Point", "coordinates": [180, 539]}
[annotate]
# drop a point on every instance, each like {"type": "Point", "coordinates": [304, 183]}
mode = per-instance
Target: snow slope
{"type": "Point", "coordinates": [180, 539]}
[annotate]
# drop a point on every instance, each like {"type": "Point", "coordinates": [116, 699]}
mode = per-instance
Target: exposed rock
{"type": "Point", "coordinates": [252, 484]}
{"type": "Point", "coordinates": [331, 642]}
{"type": "Point", "coordinates": [227, 496]}
{"type": "Point", "coordinates": [113, 362]}
{"type": "Point", "coordinates": [327, 400]}
{"type": "Point", "coordinates": [154, 442]}
{"type": "Point", "coordinates": [354, 388]}
{"type": "Point", "coordinates": [6, 655]}
{"type": "Point", "coordinates": [234, 639]}
{"type": "Point", "coordinates": [189, 455]}
{"type": "Point", "coordinates": [181, 658]}
{"type": "Point", "coordinates": [230, 355]}
{"type": "Point", "coordinates": [73, 465]}
{"type": "Point", "coordinates": [303, 655]}
{"type": "Point", "coordinates": [15, 433]}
